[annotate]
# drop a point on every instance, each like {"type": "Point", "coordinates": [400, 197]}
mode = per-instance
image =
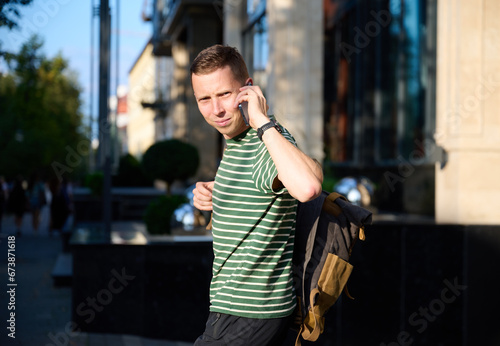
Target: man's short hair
{"type": "Point", "coordinates": [219, 56]}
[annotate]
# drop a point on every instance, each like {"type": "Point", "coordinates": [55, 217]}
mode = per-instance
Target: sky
{"type": "Point", "coordinates": [65, 27]}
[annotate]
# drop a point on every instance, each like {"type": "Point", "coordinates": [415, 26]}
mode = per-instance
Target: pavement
{"type": "Point", "coordinates": [42, 310]}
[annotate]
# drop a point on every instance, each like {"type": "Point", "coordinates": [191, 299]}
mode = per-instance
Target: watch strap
{"type": "Point", "coordinates": [267, 126]}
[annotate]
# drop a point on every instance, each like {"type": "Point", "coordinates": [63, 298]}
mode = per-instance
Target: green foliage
{"type": "Point", "coordinates": [171, 160]}
{"type": "Point", "coordinates": [40, 117]}
{"type": "Point", "coordinates": [330, 178]}
{"type": "Point", "coordinates": [159, 213]}
{"type": "Point", "coordinates": [95, 182]}
{"type": "Point", "coordinates": [329, 182]}
{"type": "Point", "coordinates": [130, 173]}
{"type": "Point", "coordinates": [9, 14]}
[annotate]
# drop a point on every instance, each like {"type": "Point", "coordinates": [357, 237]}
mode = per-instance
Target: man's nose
{"type": "Point", "coordinates": [217, 107]}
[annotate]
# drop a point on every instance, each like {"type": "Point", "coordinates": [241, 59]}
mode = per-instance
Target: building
{"type": "Point", "coordinates": [402, 92]}
{"type": "Point", "coordinates": [122, 122]}
{"type": "Point", "coordinates": [467, 117]}
{"type": "Point", "coordinates": [180, 30]}
{"type": "Point", "coordinates": [147, 101]}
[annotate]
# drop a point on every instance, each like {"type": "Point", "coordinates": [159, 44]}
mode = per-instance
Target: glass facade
{"type": "Point", "coordinates": [255, 41]}
{"type": "Point", "coordinates": [379, 85]}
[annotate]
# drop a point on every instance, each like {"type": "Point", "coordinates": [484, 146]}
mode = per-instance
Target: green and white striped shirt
{"type": "Point", "coordinates": [253, 231]}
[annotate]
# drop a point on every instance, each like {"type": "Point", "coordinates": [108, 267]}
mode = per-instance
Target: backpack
{"type": "Point", "coordinates": [325, 232]}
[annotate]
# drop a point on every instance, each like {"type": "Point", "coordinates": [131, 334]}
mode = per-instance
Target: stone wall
{"type": "Point", "coordinates": [468, 121]}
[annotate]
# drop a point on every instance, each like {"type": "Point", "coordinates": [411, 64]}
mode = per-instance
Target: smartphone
{"type": "Point", "coordinates": [244, 110]}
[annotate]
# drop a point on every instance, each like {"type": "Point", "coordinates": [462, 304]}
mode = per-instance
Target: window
{"type": "Point", "coordinates": [379, 80]}
{"type": "Point", "coordinates": [255, 41]}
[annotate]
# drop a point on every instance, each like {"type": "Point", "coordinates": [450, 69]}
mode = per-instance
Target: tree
{"type": "Point", "coordinates": [130, 173]}
{"type": "Point", "coordinates": [167, 160]}
{"type": "Point", "coordinates": [170, 160]}
{"type": "Point", "coordinates": [40, 122]}
{"type": "Point", "coordinates": [9, 12]}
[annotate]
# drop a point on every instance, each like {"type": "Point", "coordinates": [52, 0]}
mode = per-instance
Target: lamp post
{"type": "Point", "coordinates": [94, 13]}
{"type": "Point", "coordinates": [104, 152]}
{"type": "Point", "coordinates": [116, 150]}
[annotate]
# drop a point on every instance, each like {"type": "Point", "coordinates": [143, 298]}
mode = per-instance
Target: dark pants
{"type": "Point", "coordinates": [232, 330]}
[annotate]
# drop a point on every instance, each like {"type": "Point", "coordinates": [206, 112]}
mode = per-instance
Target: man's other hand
{"type": "Point", "coordinates": [203, 195]}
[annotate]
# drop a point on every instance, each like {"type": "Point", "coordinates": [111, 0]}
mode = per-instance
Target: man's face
{"type": "Point", "coordinates": [215, 94]}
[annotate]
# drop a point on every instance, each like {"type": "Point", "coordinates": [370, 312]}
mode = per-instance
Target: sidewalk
{"type": "Point", "coordinates": [42, 311]}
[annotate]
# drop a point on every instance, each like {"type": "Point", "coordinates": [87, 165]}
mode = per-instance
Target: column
{"type": "Point", "coordinates": [295, 70]}
{"type": "Point", "coordinates": [467, 112]}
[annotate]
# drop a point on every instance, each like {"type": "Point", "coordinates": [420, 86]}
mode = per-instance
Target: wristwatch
{"type": "Point", "coordinates": [263, 128]}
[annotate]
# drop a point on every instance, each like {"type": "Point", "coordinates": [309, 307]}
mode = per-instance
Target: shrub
{"type": "Point", "coordinates": [159, 213]}
{"type": "Point", "coordinates": [94, 182]}
{"type": "Point", "coordinates": [171, 160]}
{"type": "Point", "coordinates": [130, 173]}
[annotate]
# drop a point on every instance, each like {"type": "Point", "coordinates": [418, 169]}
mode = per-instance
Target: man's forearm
{"type": "Point", "coordinates": [299, 173]}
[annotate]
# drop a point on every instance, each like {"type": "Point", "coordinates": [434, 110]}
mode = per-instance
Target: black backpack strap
{"type": "Point", "coordinates": [307, 259]}
{"type": "Point", "coordinates": [310, 239]}
{"type": "Point", "coordinates": [330, 206]}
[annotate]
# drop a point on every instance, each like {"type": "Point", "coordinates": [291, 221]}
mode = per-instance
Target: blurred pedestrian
{"type": "Point", "coordinates": [18, 202]}
{"type": "Point", "coordinates": [37, 199]}
{"type": "Point", "coordinates": [3, 198]}
{"type": "Point", "coordinates": [59, 205]}
{"type": "Point", "coordinates": [67, 189]}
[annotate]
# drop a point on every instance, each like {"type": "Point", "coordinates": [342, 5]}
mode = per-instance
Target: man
{"type": "Point", "coordinates": [253, 200]}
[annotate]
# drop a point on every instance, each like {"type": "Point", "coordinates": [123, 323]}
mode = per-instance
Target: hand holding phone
{"type": "Point", "coordinates": [243, 106]}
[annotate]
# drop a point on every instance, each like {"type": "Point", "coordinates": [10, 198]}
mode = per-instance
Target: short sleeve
{"type": "Point", "coordinates": [264, 169]}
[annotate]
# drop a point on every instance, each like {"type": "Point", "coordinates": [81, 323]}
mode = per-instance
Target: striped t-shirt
{"type": "Point", "coordinates": [253, 231]}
